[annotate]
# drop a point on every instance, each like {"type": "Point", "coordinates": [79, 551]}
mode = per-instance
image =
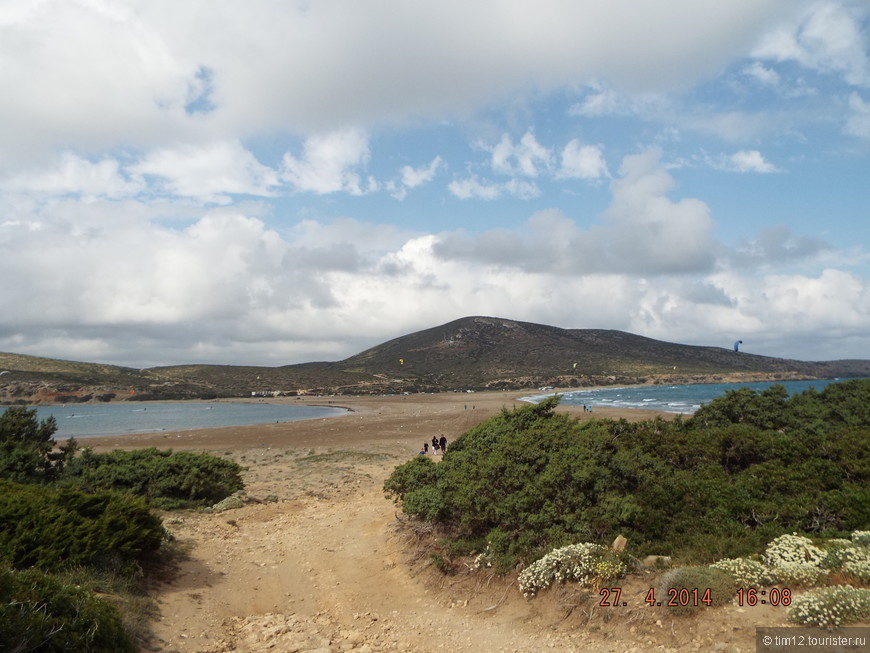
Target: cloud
{"type": "Point", "coordinates": [328, 164]}
{"type": "Point", "coordinates": [75, 175]}
{"type": "Point", "coordinates": [527, 158]}
{"type": "Point", "coordinates": [646, 231]}
{"type": "Point", "coordinates": [580, 161]}
{"type": "Point", "coordinates": [413, 177]}
{"type": "Point", "coordinates": [602, 100]}
{"type": "Point", "coordinates": [858, 123]}
{"type": "Point", "coordinates": [209, 173]}
{"type": "Point", "coordinates": [142, 75]}
{"type": "Point", "coordinates": [642, 231]}
{"type": "Point", "coordinates": [826, 38]}
{"type": "Point", "coordinates": [762, 74]}
{"type": "Point", "coordinates": [473, 188]}
{"type": "Point", "coordinates": [744, 161]}
{"type": "Point", "coordinates": [776, 245]}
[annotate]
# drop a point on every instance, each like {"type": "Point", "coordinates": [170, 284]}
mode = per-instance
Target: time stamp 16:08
{"type": "Point", "coordinates": [683, 597]}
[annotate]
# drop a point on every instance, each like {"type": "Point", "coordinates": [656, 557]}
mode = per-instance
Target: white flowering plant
{"type": "Point", "coordinates": [837, 556]}
{"type": "Point", "coordinates": [583, 563]}
{"type": "Point", "coordinates": [746, 572]}
{"type": "Point", "coordinates": [861, 537]}
{"type": "Point", "coordinates": [793, 550]}
{"type": "Point", "coordinates": [858, 569]}
{"type": "Point", "coordinates": [797, 574]}
{"type": "Point", "coordinates": [831, 607]}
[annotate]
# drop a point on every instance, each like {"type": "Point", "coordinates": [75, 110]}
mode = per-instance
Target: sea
{"type": "Point", "coordinates": [93, 420]}
{"type": "Point", "coordinates": [685, 399]}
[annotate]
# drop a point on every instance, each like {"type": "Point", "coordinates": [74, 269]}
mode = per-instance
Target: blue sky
{"type": "Point", "coordinates": [277, 182]}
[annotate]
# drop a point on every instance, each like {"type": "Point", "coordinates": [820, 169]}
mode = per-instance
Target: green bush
{"type": "Point", "coordinates": [719, 485]}
{"type": "Point", "coordinates": [58, 528]}
{"type": "Point", "coordinates": [686, 590]}
{"type": "Point", "coordinates": [27, 447]}
{"type": "Point", "coordinates": [168, 480]}
{"type": "Point", "coordinates": [41, 613]}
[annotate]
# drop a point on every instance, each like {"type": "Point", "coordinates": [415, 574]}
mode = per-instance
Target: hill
{"type": "Point", "coordinates": [469, 353]}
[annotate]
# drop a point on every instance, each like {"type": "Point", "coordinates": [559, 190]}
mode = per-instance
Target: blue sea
{"type": "Point", "coordinates": [684, 399]}
{"type": "Point", "coordinates": [92, 420]}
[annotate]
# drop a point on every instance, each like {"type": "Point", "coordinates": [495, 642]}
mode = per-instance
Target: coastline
{"type": "Point", "coordinates": [400, 422]}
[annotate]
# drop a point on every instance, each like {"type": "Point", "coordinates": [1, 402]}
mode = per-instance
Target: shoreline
{"type": "Point", "coordinates": [391, 422]}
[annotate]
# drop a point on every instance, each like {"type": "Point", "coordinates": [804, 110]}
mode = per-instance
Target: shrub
{"type": "Point", "coordinates": [830, 607]}
{"type": "Point", "coordinates": [168, 480]}
{"type": "Point", "coordinates": [42, 613]}
{"type": "Point", "coordinates": [26, 446]}
{"type": "Point", "coordinates": [861, 537]}
{"type": "Point", "coordinates": [857, 569]}
{"type": "Point", "coordinates": [794, 574]}
{"type": "Point", "coordinates": [746, 572]}
{"type": "Point", "coordinates": [584, 563]}
{"type": "Point", "coordinates": [719, 485]}
{"type": "Point", "coordinates": [704, 587]}
{"type": "Point", "coordinates": [53, 529]}
{"type": "Point", "coordinates": [793, 550]}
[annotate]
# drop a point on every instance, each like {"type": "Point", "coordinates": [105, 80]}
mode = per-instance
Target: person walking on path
{"type": "Point", "coordinates": [443, 443]}
{"type": "Point", "coordinates": [435, 446]}
{"type": "Point", "coordinates": [425, 448]}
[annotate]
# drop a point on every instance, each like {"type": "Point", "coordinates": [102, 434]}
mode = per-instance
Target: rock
{"type": "Point", "coordinates": [619, 543]}
{"type": "Point", "coordinates": [229, 503]}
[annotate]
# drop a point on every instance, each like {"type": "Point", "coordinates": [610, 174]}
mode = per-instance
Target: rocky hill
{"type": "Point", "coordinates": [469, 353]}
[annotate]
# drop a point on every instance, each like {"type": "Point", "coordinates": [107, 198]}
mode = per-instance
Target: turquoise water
{"type": "Point", "coordinates": [684, 399]}
{"type": "Point", "coordinates": [92, 420]}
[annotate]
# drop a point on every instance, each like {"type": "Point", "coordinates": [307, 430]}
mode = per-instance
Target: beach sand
{"type": "Point", "coordinates": [319, 560]}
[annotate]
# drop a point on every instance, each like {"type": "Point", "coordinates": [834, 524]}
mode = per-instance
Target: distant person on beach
{"type": "Point", "coordinates": [425, 448]}
{"type": "Point", "coordinates": [435, 446]}
{"type": "Point", "coordinates": [443, 443]}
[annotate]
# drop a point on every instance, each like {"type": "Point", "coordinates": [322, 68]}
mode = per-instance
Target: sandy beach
{"type": "Point", "coordinates": [318, 560]}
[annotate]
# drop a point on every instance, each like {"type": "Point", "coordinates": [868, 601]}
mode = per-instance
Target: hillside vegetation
{"type": "Point", "coordinates": [743, 470]}
{"type": "Point", "coordinates": [470, 353]}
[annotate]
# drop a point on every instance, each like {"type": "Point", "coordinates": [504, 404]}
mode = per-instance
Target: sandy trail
{"type": "Point", "coordinates": [317, 561]}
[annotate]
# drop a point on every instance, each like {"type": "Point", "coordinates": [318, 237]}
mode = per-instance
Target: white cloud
{"type": "Point", "coordinates": [527, 158]}
{"type": "Point", "coordinates": [858, 123]}
{"type": "Point", "coordinates": [413, 177]}
{"type": "Point", "coordinates": [329, 164]}
{"type": "Point", "coordinates": [473, 188]}
{"type": "Point", "coordinates": [762, 74]}
{"type": "Point", "coordinates": [826, 38]}
{"type": "Point", "coordinates": [742, 161]}
{"type": "Point", "coordinates": [93, 75]}
{"type": "Point", "coordinates": [642, 231]}
{"type": "Point", "coordinates": [647, 232]}
{"type": "Point", "coordinates": [72, 174]}
{"type": "Point", "coordinates": [209, 172]}
{"type": "Point", "coordinates": [582, 162]}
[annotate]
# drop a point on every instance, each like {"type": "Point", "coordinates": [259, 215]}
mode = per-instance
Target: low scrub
{"type": "Point", "coordinates": [39, 612]}
{"type": "Point", "coordinates": [53, 529]}
{"type": "Point", "coordinates": [686, 590]}
{"type": "Point", "coordinates": [167, 479]}
{"type": "Point", "coordinates": [831, 607]}
{"type": "Point", "coordinates": [746, 469]}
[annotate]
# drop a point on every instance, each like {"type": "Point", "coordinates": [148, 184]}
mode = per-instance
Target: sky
{"type": "Point", "coordinates": [271, 182]}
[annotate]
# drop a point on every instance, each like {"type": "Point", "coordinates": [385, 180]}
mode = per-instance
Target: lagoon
{"type": "Point", "coordinates": [94, 420]}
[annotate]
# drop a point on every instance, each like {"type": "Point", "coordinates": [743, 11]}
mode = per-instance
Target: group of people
{"type": "Point", "coordinates": [438, 445]}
